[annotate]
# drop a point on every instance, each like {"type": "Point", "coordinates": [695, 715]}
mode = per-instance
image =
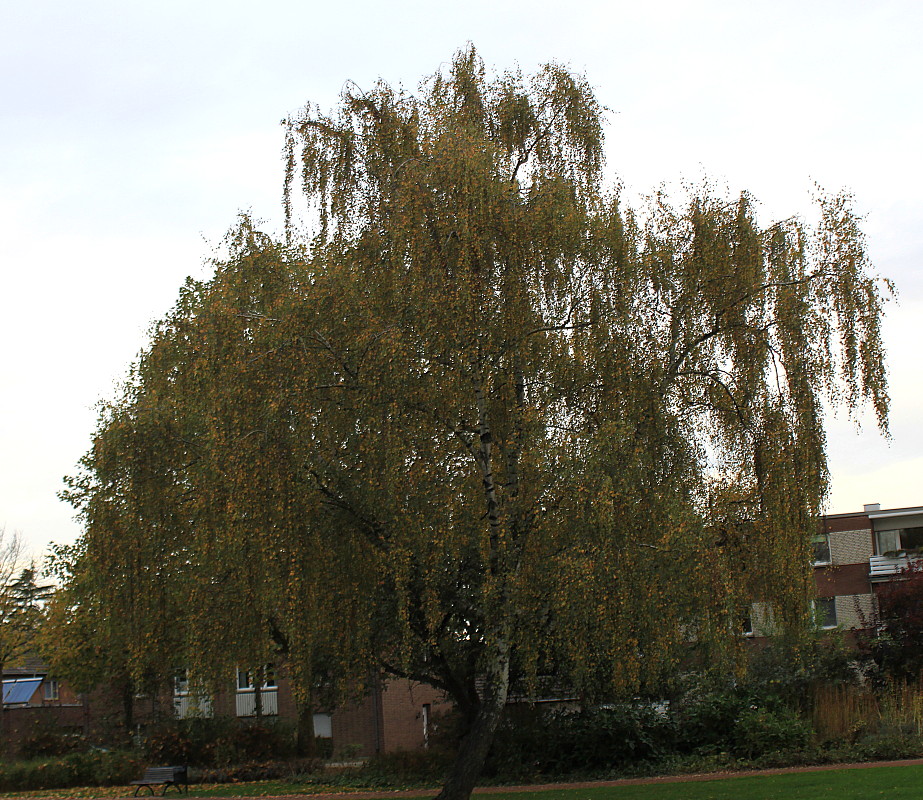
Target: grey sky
{"type": "Point", "coordinates": [131, 134]}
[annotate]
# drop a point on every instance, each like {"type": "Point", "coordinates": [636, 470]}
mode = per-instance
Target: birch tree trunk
{"type": "Point", "coordinates": [469, 761]}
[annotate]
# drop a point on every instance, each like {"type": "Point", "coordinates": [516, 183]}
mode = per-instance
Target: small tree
{"type": "Point", "coordinates": [85, 643]}
{"type": "Point", "coordinates": [21, 600]}
{"type": "Point", "coordinates": [897, 650]}
{"type": "Point", "coordinates": [117, 616]}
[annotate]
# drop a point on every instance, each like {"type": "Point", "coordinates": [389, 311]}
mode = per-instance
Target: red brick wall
{"type": "Point", "coordinates": [224, 704]}
{"type": "Point", "coordinates": [358, 724]}
{"type": "Point", "coordinates": [402, 704]}
{"type": "Point", "coordinates": [842, 580]}
{"type": "Point", "coordinates": [106, 714]}
{"type": "Point", "coordinates": [66, 697]}
{"type": "Point", "coordinates": [19, 724]}
{"type": "Point", "coordinates": [389, 718]}
{"type": "Point", "coordinates": [285, 698]}
{"type": "Point", "coordinates": [845, 522]}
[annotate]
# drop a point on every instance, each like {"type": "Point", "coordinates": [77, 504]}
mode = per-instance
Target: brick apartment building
{"type": "Point", "coordinates": [395, 715]}
{"type": "Point", "coordinates": [855, 554]}
{"type": "Point", "coordinates": [34, 702]}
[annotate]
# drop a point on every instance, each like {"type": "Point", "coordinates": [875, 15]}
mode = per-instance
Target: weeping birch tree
{"type": "Point", "coordinates": [484, 415]}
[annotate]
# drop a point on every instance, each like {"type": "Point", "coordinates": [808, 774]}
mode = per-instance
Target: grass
{"type": "Point", "coordinates": [894, 783]}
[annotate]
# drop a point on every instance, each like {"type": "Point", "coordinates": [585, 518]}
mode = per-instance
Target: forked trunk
{"type": "Point", "coordinates": [472, 752]}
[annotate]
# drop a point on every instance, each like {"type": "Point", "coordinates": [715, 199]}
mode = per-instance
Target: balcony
{"type": "Point", "coordinates": [246, 703]}
{"type": "Point", "coordinates": [881, 568]}
{"type": "Point", "coordinates": [187, 705]}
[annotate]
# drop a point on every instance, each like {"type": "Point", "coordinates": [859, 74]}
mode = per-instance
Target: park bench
{"type": "Point", "coordinates": [168, 776]}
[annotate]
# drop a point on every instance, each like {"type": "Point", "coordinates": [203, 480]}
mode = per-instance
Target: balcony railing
{"type": "Point", "coordinates": [188, 705]}
{"type": "Point", "coordinates": [246, 703]}
{"type": "Point", "coordinates": [886, 566]}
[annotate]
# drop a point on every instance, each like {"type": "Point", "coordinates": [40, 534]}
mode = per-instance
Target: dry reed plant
{"type": "Point", "coordinates": [901, 706]}
{"type": "Point", "coordinates": [844, 712]}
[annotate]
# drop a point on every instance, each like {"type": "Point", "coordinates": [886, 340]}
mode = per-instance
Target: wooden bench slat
{"type": "Point", "coordinates": [168, 776]}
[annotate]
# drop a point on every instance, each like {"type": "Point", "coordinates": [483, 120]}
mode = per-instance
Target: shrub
{"type": "Point", "coordinates": [634, 736]}
{"type": "Point", "coordinates": [759, 731]}
{"type": "Point", "coordinates": [884, 747]}
{"type": "Point", "coordinates": [405, 767]}
{"type": "Point", "coordinates": [897, 650]}
{"type": "Point", "coordinates": [172, 745]}
{"type": "Point", "coordinates": [262, 771]}
{"type": "Point", "coordinates": [220, 741]}
{"type": "Point", "coordinates": [49, 743]}
{"type": "Point", "coordinates": [705, 722]}
{"type": "Point", "coordinates": [789, 668]}
{"type": "Point", "coordinates": [94, 768]}
{"type": "Point", "coordinates": [268, 739]}
{"type": "Point", "coordinates": [560, 741]}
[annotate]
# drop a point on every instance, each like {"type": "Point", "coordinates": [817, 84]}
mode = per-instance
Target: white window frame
{"type": "Point", "coordinates": [323, 725]}
{"type": "Point", "coordinates": [245, 697]}
{"type": "Point", "coordinates": [882, 543]}
{"type": "Point", "coordinates": [245, 680]}
{"type": "Point", "coordinates": [51, 689]}
{"type": "Point", "coordinates": [816, 539]}
{"type": "Point", "coordinates": [816, 612]}
{"type": "Point", "coordinates": [896, 537]}
{"type": "Point", "coordinates": [746, 624]}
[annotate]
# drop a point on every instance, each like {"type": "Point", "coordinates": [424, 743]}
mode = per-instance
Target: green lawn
{"type": "Point", "coordinates": [893, 783]}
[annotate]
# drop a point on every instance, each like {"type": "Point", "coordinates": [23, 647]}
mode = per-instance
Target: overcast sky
{"type": "Point", "coordinates": [132, 133]}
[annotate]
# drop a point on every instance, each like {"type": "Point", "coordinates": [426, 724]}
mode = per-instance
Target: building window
{"type": "Point", "coordinates": [323, 726]}
{"type": "Point", "coordinates": [427, 715]}
{"type": "Point", "coordinates": [245, 679]}
{"type": "Point", "coordinates": [189, 699]}
{"type": "Point", "coordinates": [746, 623]}
{"type": "Point", "coordinates": [899, 541]}
{"type": "Point", "coordinates": [821, 544]}
{"type": "Point", "coordinates": [52, 690]}
{"type": "Point", "coordinates": [825, 612]}
{"type": "Point", "coordinates": [246, 703]}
